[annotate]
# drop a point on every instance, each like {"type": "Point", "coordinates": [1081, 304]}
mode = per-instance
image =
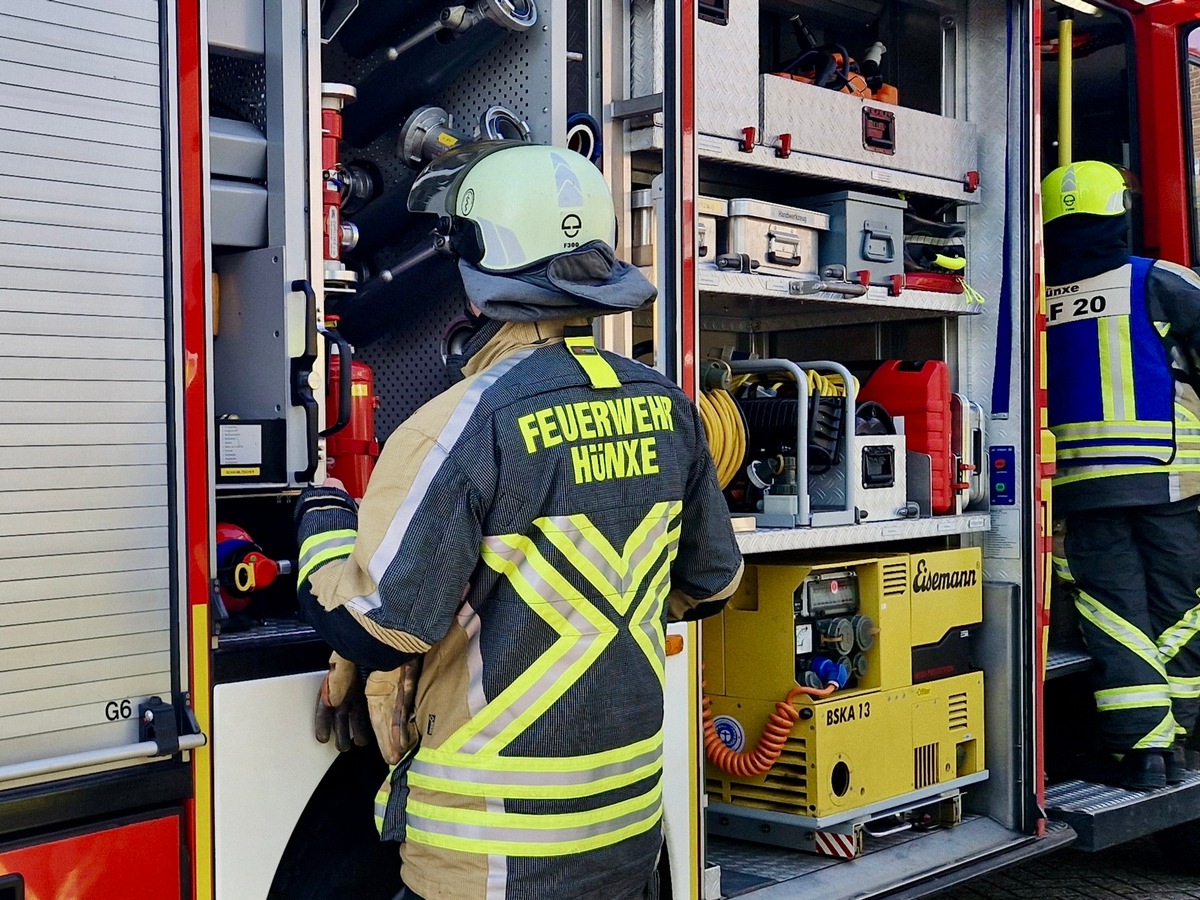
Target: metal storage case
{"type": "Point", "coordinates": [782, 238]}
{"type": "Point", "coordinates": [886, 137]}
{"type": "Point", "coordinates": [711, 214]}
{"type": "Point", "coordinates": [641, 240]}
{"type": "Point", "coordinates": [866, 233]}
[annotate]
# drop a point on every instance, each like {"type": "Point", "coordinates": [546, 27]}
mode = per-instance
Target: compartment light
{"type": "Point", "coordinates": [1084, 7]}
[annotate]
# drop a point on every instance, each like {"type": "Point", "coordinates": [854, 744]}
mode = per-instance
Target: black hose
{"type": "Point", "coordinates": [383, 220]}
{"type": "Point", "coordinates": [383, 22]}
{"type": "Point", "coordinates": [399, 86]}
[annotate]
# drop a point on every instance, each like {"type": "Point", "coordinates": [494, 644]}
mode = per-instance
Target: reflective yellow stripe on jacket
{"type": "Point", "coordinates": [469, 763]}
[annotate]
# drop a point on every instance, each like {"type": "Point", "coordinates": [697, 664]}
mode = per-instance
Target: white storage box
{"type": "Point", "coordinates": [781, 238]}
{"type": "Point", "coordinates": [878, 479]}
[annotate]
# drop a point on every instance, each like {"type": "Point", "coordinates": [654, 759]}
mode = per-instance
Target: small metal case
{"type": "Point", "coordinates": [784, 239]}
{"type": "Point", "coordinates": [867, 233]}
{"type": "Point", "coordinates": [711, 214]}
{"type": "Point", "coordinates": [968, 440]}
{"type": "Point", "coordinates": [643, 228]}
{"type": "Point", "coordinates": [710, 222]}
{"type": "Point", "coordinates": [878, 477]}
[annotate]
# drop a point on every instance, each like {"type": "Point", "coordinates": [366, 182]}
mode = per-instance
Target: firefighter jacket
{"type": "Point", "coordinates": [530, 531]}
{"type": "Point", "coordinates": [1122, 351]}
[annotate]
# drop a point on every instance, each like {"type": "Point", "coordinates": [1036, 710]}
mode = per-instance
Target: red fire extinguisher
{"type": "Point", "coordinates": [352, 450]}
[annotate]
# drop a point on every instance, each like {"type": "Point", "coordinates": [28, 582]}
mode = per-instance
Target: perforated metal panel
{"type": "Point", "coordinates": [526, 74]}
{"type": "Point", "coordinates": [85, 537]}
{"type": "Point", "coordinates": [237, 88]}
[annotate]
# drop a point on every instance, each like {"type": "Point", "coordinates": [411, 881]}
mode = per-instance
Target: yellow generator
{"type": "Point", "coordinates": [839, 690]}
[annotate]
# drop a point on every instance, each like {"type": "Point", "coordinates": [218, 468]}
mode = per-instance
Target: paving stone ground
{"type": "Point", "coordinates": [1134, 871]}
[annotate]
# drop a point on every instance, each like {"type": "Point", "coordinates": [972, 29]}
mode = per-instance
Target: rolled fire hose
{"type": "Point", "coordinates": [429, 65]}
{"type": "Point", "coordinates": [724, 426]}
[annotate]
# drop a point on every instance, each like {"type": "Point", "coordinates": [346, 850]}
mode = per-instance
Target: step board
{"type": "Point", "coordinates": [1103, 816]}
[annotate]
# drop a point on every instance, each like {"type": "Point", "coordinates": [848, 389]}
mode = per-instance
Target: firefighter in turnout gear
{"type": "Point", "coordinates": [527, 535]}
{"type": "Point", "coordinates": [1124, 353]}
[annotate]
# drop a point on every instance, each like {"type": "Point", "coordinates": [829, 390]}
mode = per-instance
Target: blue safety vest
{"type": "Point", "coordinates": [1111, 392]}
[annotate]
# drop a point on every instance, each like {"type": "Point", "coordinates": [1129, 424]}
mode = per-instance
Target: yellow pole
{"type": "Point", "coordinates": [1066, 93]}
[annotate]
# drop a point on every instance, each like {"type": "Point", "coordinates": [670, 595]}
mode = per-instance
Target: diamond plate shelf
{"type": "Point", "coordinates": [730, 152]}
{"type": "Point", "coordinates": [1104, 816]}
{"type": "Point", "coordinates": [1062, 661]}
{"type": "Point", "coordinates": [731, 301]}
{"type": "Point", "coordinates": [773, 540]}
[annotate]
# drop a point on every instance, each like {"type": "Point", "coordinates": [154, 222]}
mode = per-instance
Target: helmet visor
{"type": "Point", "coordinates": [435, 190]}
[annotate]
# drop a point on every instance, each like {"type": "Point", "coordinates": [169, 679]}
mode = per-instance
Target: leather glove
{"type": "Point", "coordinates": [391, 700]}
{"type": "Point", "coordinates": [341, 709]}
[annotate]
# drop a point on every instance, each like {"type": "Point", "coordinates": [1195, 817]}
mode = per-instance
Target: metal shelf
{"type": "Point", "coordinates": [729, 152]}
{"type": "Point", "coordinates": [731, 301]}
{"type": "Point", "coordinates": [774, 540]}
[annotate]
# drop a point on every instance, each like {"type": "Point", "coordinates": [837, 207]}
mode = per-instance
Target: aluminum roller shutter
{"type": "Point", "coordinates": [85, 517]}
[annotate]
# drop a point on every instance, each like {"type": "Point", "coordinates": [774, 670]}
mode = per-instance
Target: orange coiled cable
{"type": "Point", "coordinates": [750, 764]}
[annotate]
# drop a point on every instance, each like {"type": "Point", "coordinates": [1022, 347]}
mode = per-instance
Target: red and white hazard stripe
{"type": "Point", "coordinates": [828, 843]}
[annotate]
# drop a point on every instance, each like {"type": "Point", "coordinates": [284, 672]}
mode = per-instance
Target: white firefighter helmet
{"type": "Point", "coordinates": [505, 206]}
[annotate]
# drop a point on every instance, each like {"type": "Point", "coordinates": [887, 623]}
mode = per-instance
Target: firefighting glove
{"type": "Point", "coordinates": [340, 707]}
{"type": "Point", "coordinates": [391, 699]}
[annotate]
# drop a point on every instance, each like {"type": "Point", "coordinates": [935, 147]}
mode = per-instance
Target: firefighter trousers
{"type": "Point", "coordinates": [1136, 575]}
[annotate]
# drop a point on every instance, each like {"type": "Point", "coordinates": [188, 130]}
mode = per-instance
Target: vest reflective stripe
{"type": "Point", "coordinates": [1162, 737]}
{"type": "Point", "coordinates": [1138, 696]}
{"type": "Point", "coordinates": [1130, 430]}
{"type": "Point", "coordinates": [524, 834]}
{"type": "Point", "coordinates": [1116, 369]}
{"type": "Point", "coordinates": [322, 547]}
{"type": "Point", "coordinates": [1111, 388]}
{"type": "Point", "coordinates": [1175, 638]}
{"type": "Point", "coordinates": [535, 778]}
{"type": "Point", "coordinates": [1187, 454]}
{"type": "Point", "coordinates": [1124, 633]}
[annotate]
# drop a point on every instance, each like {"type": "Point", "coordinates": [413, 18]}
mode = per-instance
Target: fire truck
{"type": "Point", "coordinates": [214, 295]}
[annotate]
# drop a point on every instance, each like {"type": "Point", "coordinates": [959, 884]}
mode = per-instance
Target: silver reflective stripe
{"type": "Point", "coordinates": [1162, 737]}
{"type": "Point", "coordinates": [1140, 696]}
{"type": "Point", "coordinates": [535, 777]}
{"type": "Point", "coordinates": [1062, 569]}
{"type": "Point", "coordinates": [1175, 638]}
{"type": "Point", "coordinates": [583, 639]}
{"type": "Point", "coordinates": [1137, 428]}
{"type": "Point", "coordinates": [1113, 367]}
{"type": "Point", "coordinates": [551, 831]}
{"type": "Point", "coordinates": [314, 549]}
{"type": "Point", "coordinates": [590, 543]}
{"type": "Point", "coordinates": [1119, 630]}
{"type": "Point", "coordinates": [1184, 688]}
{"type": "Point", "coordinates": [450, 433]}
